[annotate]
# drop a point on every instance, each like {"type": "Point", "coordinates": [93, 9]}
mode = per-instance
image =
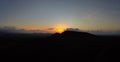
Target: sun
{"type": "Point", "coordinates": [60, 30]}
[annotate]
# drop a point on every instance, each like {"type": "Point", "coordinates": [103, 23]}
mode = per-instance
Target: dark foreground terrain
{"type": "Point", "coordinates": [65, 47]}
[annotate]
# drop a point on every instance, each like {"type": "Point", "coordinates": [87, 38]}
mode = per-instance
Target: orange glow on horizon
{"type": "Point", "coordinates": [56, 29]}
{"type": "Point", "coordinates": [32, 28]}
{"type": "Point", "coordinates": [60, 30]}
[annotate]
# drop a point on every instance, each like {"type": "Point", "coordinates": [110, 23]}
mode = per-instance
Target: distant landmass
{"type": "Point", "coordinates": [66, 46]}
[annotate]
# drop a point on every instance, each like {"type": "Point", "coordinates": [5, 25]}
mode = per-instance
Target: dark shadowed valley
{"type": "Point", "coordinates": [68, 46]}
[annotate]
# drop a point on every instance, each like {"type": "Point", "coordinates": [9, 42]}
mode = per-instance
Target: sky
{"type": "Point", "coordinates": [103, 15]}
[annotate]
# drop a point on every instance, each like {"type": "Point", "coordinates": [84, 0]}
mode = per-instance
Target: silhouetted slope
{"type": "Point", "coordinates": [77, 46]}
{"type": "Point", "coordinates": [73, 34]}
{"type": "Point", "coordinates": [70, 35]}
{"type": "Point", "coordinates": [67, 46]}
{"type": "Point", "coordinates": [76, 34]}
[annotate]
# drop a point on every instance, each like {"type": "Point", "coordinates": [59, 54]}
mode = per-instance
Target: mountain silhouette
{"type": "Point", "coordinates": [67, 46]}
{"type": "Point", "coordinates": [77, 34]}
{"type": "Point", "coordinates": [73, 34]}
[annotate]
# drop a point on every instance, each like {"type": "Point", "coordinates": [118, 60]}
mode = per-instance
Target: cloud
{"type": "Point", "coordinates": [72, 29]}
{"type": "Point", "coordinates": [8, 29]}
{"type": "Point", "coordinates": [96, 31]}
{"type": "Point", "coordinates": [50, 28]}
{"type": "Point", "coordinates": [11, 29]}
{"type": "Point", "coordinates": [105, 32]}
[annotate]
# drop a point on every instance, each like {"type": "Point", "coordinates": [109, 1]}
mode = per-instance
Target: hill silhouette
{"type": "Point", "coordinates": [67, 46]}
{"type": "Point", "coordinates": [72, 45]}
{"type": "Point", "coordinates": [74, 34]}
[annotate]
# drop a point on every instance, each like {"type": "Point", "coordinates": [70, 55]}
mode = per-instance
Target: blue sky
{"type": "Point", "coordinates": [101, 15]}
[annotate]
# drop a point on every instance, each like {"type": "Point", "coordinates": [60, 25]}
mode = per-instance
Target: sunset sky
{"type": "Point", "coordinates": [50, 14]}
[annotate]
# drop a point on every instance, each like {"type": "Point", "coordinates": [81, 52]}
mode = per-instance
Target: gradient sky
{"type": "Point", "coordinates": [43, 14]}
